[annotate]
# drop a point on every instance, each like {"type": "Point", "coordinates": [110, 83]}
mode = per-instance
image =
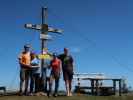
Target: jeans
{"type": "Point", "coordinates": [34, 81]}
{"type": "Point", "coordinates": [56, 80]}
{"type": "Point", "coordinates": [44, 88]}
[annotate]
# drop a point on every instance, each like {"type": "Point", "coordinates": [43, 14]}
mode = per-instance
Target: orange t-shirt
{"type": "Point", "coordinates": [55, 64]}
{"type": "Point", "coordinates": [25, 58]}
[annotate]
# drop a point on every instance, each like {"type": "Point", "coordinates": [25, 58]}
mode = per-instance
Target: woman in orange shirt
{"type": "Point", "coordinates": [55, 73]}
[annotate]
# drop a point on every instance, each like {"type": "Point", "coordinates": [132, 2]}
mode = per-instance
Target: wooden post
{"type": "Point", "coordinates": [114, 86]}
{"type": "Point", "coordinates": [97, 85]}
{"type": "Point", "coordinates": [120, 87]}
{"type": "Point", "coordinates": [78, 86]}
{"type": "Point", "coordinates": [92, 86]}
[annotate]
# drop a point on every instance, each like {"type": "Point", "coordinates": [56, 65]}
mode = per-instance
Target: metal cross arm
{"type": "Point", "coordinates": [59, 31]}
{"type": "Point", "coordinates": [33, 26]}
{"type": "Point", "coordinates": [41, 27]}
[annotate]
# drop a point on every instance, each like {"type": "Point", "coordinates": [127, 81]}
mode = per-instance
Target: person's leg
{"type": "Point", "coordinates": [70, 83]}
{"type": "Point", "coordinates": [31, 81]}
{"type": "Point", "coordinates": [46, 85]}
{"type": "Point", "coordinates": [67, 83]}
{"type": "Point", "coordinates": [49, 80]}
{"type": "Point", "coordinates": [67, 87]}
{"type": "Point", "coordinates": [50, 84]}
{"type": "Point", "coordinates": [70, 87]}
{"type": "Point", "coordinates": [37, 82]}
{"type": "Point", "coordinates": [22, 78]}
{"type": "Point", "coordinates": [21, 86]}
{"type": "Point", "coordinates": [44, 80]}
{"type": "Point", "coordinates": [65, 75]}
{"type": "Point", "coordinates": [27, 75]}
{"type": "Point", "coordinates": [56, 85]}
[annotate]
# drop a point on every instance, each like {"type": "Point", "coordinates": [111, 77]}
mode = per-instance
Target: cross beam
{"type": "Point", "coordinates": [39, 27]}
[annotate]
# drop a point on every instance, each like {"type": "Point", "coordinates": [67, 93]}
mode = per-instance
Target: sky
{"type": "Point", "coordinates": [98, 33]}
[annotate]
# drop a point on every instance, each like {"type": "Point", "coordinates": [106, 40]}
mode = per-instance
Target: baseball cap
{"type": "Point", "coordinates": [55, 54]}
{"type": "Point", "coordinates": [27, 46]}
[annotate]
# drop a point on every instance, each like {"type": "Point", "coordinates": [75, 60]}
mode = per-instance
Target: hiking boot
{"type": "Point", "coordinates": [50, 95]}
{"type": "Point", "coordinates": [20, 93]}
{"type": "Point", "coordinates": [30, 94]}
{"type": "Point", "coordinates": [55, 95]}
{"type": "Point", "coordinates": [26, 94]}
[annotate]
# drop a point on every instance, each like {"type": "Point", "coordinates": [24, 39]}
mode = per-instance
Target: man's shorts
{"type": "Point", "coordinates": [67, 75]}
{"type": "Point", "coordinates": [24, 74]}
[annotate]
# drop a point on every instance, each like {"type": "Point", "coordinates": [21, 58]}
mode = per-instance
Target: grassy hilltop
{"type": "Point", "coordinates": [67, 98]}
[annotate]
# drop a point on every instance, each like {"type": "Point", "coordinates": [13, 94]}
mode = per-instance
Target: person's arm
{"type": "Point", "coordinates": [25, 66]}
{"type": "Point", "coordinates": [50, 65]}
{"type": "Point", "coordinates": [71, 59]}
{"type": "Point", "coordinates": [19, 58]}
{"type": "Point", "coordinates": [73, 65]}
{"type": "Point", "coordinates": [60, 66]}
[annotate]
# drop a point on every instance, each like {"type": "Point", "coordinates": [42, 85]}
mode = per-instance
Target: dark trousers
{"type": "Point", "coordinates": [56, 80]}
{"type": "Point", "coordinates": [56, 85]}
{"type": "Point", "coordinates": [34, 83]}
{"type": "Point", "coordinates": [37, 77]}
{"type": "Point", "coordinates": [44, 83]}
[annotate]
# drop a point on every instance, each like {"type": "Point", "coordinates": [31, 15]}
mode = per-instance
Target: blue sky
{"type": "Point", "coordinates": [99, 34]}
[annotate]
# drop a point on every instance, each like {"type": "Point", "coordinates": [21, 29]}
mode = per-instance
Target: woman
{"type": "Point", "coordinates": [35, 73]}
{"type": "Point", "coordinates": [55, 74]}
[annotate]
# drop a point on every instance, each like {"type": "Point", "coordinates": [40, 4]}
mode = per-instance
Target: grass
{"type": "Point", "coordinates": [67, 98]}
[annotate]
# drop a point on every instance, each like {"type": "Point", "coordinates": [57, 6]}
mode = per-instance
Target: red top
{"type": "Point", "coordinates": [55, 64]}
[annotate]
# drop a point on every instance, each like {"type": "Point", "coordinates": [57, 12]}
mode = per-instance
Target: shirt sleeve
{"type": "Point", "coordinates": [20, 57]}
{"type": "Point", "coordinates": [71, 59]}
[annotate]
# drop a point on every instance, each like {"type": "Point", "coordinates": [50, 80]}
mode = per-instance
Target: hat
{"type": "Point", "coordinates": [27, 46]}
{"type": "Point", "coordinates": [55, 54]}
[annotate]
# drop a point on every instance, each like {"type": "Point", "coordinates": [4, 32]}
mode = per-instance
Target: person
{"type": "Point", "coordinates": [24, 61]}
{"type": "Point", "coordinates": [55, 74]}
{"type": "Point", "coordinates": [35, 73]}
{"type": "Point", "coordinates": [46, 63]}
{"type": "Point", "coordinates": [48, 80]}
{"type": "Point", "coordinates": [67, 68]}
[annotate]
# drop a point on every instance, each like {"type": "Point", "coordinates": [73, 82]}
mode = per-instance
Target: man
{"type": "Point", "coordinates": [24, 61]}
{"type": "Point", "coordinates": [67, 68]}
{"type": "Point", "coordinates": [55, 74]}
{"type": "Point", "coordinates": [46, 63]}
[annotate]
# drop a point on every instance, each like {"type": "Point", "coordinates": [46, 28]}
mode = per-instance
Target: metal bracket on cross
{"type": "Point", "coordinates": [44, 28]}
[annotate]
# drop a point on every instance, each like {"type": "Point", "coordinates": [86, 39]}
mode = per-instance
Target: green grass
{"type": "Point", "coordinates": [67, 98]}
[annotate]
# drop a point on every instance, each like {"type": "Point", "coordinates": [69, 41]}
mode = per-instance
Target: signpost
{"type": "Point", "coordinates": [44, 29]}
